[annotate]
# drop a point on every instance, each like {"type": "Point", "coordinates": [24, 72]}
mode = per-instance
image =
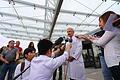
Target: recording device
{"type": "Point", "coordinates": [61, 39]}
{"type": "Point", "coordinates": [68, 40]}
{"type": "Point", "coordinates": [58, 42]}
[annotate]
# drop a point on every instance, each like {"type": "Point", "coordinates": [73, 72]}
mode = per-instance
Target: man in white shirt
{"type": "Point", "coordinates": [76, 69]}
{"type": "Point", "coordinates": [43, 66]}
{"type": "Point", "coordinates": [29, 53]}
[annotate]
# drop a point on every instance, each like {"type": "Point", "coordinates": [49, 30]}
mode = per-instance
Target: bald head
{"type": "Point", "coordinates": [70, 32]}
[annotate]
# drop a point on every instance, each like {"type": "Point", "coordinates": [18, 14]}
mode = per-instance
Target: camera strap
{"type": "Point", "coordinates": [21, 73]}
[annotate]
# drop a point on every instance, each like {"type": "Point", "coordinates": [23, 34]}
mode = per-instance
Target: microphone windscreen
{"type": "Point", "coordinates": [59, 41]}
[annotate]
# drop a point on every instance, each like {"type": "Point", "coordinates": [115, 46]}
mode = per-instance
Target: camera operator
{"type": "Point", "coordinates": [43, 66]}
{"type": "Point", "coordinates": [59, 51]}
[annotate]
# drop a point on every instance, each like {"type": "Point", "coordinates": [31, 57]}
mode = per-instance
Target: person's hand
{"type": "Point", "coordinates": [6, 62]}
{"type": "Point", "coordinates": [68, 47]}
{"type": "Point", "coordinates": [56, 51]}
{"type": "Point", "coordinates": [62, 48]}
{"type": "Point", "coordinates": [70, 59]}
{"type": "Point", "coordinates": [79, 36]}
{"type": "Point", "coordinates": [88, 37]}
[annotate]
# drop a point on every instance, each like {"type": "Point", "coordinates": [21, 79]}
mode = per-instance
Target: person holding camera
{"type": "Point", "coordinates": [61, 48]}
{"type": "Point", "coordinates": [76, 69]}
{"type": "Point", "coordinates": [43, 66]}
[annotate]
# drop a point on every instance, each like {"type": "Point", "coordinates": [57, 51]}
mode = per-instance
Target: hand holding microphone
{"type": "Point", "coordinates": [68, 47]}
{"type": "Point", "coordinates": [86, 37]}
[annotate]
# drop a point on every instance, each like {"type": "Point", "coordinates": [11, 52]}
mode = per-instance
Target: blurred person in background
{"type": "Point", "coordinates": [1, 49]}
{"type": "Point", "coordinates": [9, 58]}
{"type": "Point", "coordinates": [29, 54]}
{"type": "Point", "coordinates": [19, 48]}
{"type": "Point", "coordinates": [31, 45]}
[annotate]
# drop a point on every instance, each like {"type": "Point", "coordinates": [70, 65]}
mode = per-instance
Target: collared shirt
{"type": "Point", "coordinates": [111, 44]}
{"type": "Point", "coordinates": [10, 55]}
{"type": "Point", "coordinates": [43, 67]}
{"type": "Point", "coordinates": [18, 70]}
{"type": "Point", "coordinates": [76, 69]}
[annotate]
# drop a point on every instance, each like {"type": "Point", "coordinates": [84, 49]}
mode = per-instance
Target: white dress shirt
{"type": "Point", "coordinates": [111, 44]}
{"type": "Point", "coordinates": [76, 68]}
{"type": "Point", "coordinates": [18, 71]}
{"type": "Point", "coordinates": [43, 67]}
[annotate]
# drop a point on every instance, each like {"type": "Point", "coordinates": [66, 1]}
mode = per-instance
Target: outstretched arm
{"type": "Point", "coordinates": [116, 22]}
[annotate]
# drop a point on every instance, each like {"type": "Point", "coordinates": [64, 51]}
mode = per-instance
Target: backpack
{"type": "Point", "coordinates": [22, 66]}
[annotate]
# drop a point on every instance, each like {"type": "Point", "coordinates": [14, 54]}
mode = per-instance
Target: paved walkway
{"type": "Point", "coordinates": [94, 74]}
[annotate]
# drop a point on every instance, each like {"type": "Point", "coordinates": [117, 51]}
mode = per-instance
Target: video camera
{"type": "Point", "coordinates": [59, 41]}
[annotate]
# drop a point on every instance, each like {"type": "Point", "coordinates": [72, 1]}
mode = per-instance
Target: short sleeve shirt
{"type": "Point", "coordinates": [10, 55]}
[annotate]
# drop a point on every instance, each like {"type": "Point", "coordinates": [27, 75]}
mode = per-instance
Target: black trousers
{"type": "Point", "coordinates": [60, 74]}
{"type": "Point", "coordinates": [115, 70]}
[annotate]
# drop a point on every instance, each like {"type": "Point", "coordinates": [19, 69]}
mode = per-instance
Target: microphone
{"type": "Point", "coordinates": [59, 41]}
{"type": "Point", "coordinates": [70, 40]}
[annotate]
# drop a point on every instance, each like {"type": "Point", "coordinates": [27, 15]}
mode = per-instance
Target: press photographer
{"type": "Point", "coordinates": [58, 50]}
{"type": "Point", "coordinates": [58, 46]}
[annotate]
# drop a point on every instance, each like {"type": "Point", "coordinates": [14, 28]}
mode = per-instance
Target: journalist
{"type": "Point", "coordinates": [43, 66]}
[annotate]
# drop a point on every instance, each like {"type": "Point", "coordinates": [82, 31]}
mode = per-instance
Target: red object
{"type": "Point", "coordinates": [20, 49]}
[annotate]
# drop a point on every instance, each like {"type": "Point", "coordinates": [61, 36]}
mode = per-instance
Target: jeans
{"type": "Point", "coordinates": [106, 71]}
{"type": "Point", "coordinates": [10, 68]}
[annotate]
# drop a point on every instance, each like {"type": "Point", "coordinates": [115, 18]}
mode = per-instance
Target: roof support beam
{"type": "Point", "coordinates": [117, 0]}
{"type": "Point", "coordinates": [19, 25]}
{"type": "Point", "coordinates": [38, 28]}
{"type": "Point", "coordinates": [24, 32]}
{"type": "Point", "coordinates": [22, 38]}
{"type": "Point", "coordinates": [57, 10]}
{"type": "Point", "coordinates": [40, 20]}
{"type": "Point", "coordinates": [50, 8]}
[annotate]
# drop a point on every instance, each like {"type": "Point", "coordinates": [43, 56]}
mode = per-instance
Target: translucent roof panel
{"type": "Point", "coordinates": [32, 19]}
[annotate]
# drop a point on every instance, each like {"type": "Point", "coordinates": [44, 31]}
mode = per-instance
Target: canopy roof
{"type": "Point", "coordinates": [35, 19]}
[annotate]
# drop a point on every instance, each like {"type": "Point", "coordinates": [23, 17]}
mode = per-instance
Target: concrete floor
{"type": "Point", "coordinates": [93, 74]}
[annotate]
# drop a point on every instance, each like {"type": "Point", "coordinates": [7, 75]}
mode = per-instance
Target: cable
{"type": "Point", "coordinates": [104, 11]}
{"type": "Point", "coordinates": [85, 6]}
{"type": "Point", "coordinates": [20, 19]}
{"type": "Point", "coordinates": [91, 13]}
{"type": "Point", "coordinates": [16, 7]}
